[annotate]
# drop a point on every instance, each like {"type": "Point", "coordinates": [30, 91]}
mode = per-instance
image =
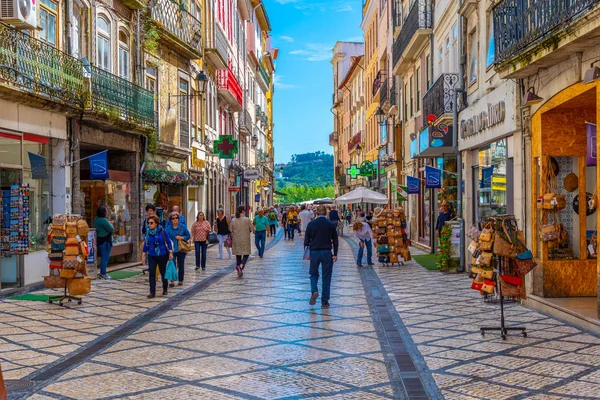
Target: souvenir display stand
{"type": "Point", "coordinates": [499, 264]}
{"type": "Point", "coordinates": [389, 232]}
{"type": "Point", "coordinates": [68, 252]}
{"type": "Point", "coordinates": [14, 220]}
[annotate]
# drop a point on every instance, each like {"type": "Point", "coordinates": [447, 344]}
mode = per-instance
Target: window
{"type": "Point", "coordinates": [447, 55]}
{"type": "Point", "coordinates": [418, 82]}
{"type": "Point", "coordinates": [454, 51]}
{"type": "Point", "coordinates": [441, 60]}
{"type": "Point", "coordinates": [183, 104]}
{"type": "Point", "coordinates": [48, 17]}
{"type": "Point", "coordinates": [473, 56]}
{"type": "Point", "coordinates": [103, 55]}
{"type": "Point", "coordinates": [124, 58]}
{"type": "Point", "coordinates": [152, 85]}
{"type": "Point", "coordinates": [412, 98]}
{"type": "Point", "coordinates": [490, 52]}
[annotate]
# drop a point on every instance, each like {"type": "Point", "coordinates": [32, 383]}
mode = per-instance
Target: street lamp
{"type": "Point", "coordinates": [202, 81]}
{"type": "Point", "coordinates": [254, 141]}
{"type": "Point", "coordinates": [380, 115]}
{"type": "Point", "coordinates": [358, 149]}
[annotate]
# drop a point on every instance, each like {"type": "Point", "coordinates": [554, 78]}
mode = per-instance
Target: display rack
{"type": "Point", "coordinates": [501, 265]}
{"type": "Point", "coordinates": [66, 296]}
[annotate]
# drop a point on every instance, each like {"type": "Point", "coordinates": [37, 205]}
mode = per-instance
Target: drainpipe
{"type": "Point", "coordinates": [521, 92]}
{"type": "Point", "coordinates": [141, 182]}
{"type": "Point", "coordinates": [459, 165]}
{"type": "Point", "coordinates": [139, 54]}
{"type": "Point", "coordinates": [69, 26]}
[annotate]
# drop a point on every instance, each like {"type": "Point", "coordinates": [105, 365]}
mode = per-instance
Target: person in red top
{"type": "Point", "coordinates": [200, 230]}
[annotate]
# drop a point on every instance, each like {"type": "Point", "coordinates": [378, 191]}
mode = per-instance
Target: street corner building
{"type": "Point", "coordinates": [149, 87]}
{"type": "Point", "coordinates": [503, 105]}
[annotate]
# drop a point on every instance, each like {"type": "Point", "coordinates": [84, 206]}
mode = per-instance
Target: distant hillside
{"type": "Point", "coordinates": [309, 168]}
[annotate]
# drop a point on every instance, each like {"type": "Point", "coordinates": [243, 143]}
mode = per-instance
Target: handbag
{"type": "Point", "coordinates": [394, 258]}
{"type": "Point", "coordinates": [383, 258]}
{"type": "Point", "coordinates": [56, 256]}
{"type": "Point", "coordinates": [473, 246]}
{"type": "Point", "coordinates": [54, 281]}
{"type": "Point", "coordinates": [548, 233]}
{"type": "Point", "coordinates": [171, 272]}
{"type": "Point", "coordinates": [524, 266]}
{"type": "Point", "coordinates": [212, 238]}
{"type": "Point", "coordinates": [306, 255]}
{"type": "Point", "coordinates": [476, 285]}
{"type": "Point", "coordinates": [184, 246]}
{"type": "Point", "coordinates": [80, 286]}
{"type": "Point", "coordinates": [503, 248]}
{"type": "Point", "coordinates": [485, 258]}
{"type": "Point", "coordinates": [473, 233]}
{"type": "Point", "coordinates": [509, 290]}
{"type": "Point", "coordinates": [476, 270]}
{"type": "Point", "coordinates": [67, 273]}
{"type": "Point", "coordinates": [487, 273]}
{"type": "Point", "coordinates": [384, 249]}
{"type": "Point", "coordinates": [228, 241]}
{"type": "Point", "coordinates": [381, 230]}
{"type": "Point", "coordinates": [71, 228]}
{"type": "Point", "coordinates": [56, 264]}
{"type": "Point", "coordinates": [561, 201]}
{"type": "Point", "coordinates": [59, 219]}
{"type": "Point", "coordinates": [83, 248]}
{"type": "Point", "coordinates": [383, 240]}
{"type": "Point", "coordinates": [406, 254]}
{"type": "Point", "coordinates": [513, 280]}
{"type": "Point", "coordinates": [487, 234]}
{"type": "Point", "coordinates": [83, 229]}
{"type": "Point", "coordinates": [488, 286]}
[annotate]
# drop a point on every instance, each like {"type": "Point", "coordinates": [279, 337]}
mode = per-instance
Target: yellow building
{"type": "Point", "coordinates": [370, 24]}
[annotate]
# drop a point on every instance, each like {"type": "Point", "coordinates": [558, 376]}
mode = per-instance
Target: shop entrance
{"type": "Point", "coordinates": [9, 264]}
{"type": "Point", "coordinates": [561, 165]}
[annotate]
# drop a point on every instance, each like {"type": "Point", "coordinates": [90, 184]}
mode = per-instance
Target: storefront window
{"type": "Point", "coordinates": [491, 186]}
{"type": "Point", "coordinates": [116, 196]}
{"type": "Point", "coordinates": [10, 149]}
{"type": "Point", "coordinates": [40, 196]}
{"type": "Point", "coordinates": [164, 197]}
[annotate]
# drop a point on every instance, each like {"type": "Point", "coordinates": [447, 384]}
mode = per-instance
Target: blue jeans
{"type": "Point", "coordinates": [104, 254]}
{"type": "Point", "coordinates": [179, 259]}
{"type": "Point", "coordinates": [200, 248]}
{"type": "Point", "coordinates": [369, 247]}
{"type": "Point", "coordinates": [161, 263]}
{"type": "Point", "coordinates": [260, 239]}
{"type": "Point", "coordinates": [325, 258]}
{"type": "Point", "coordinates": [291, 229]}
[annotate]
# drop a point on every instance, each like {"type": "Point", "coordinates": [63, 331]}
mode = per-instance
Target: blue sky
{"type": "Point", "coordinates": [305, 32]}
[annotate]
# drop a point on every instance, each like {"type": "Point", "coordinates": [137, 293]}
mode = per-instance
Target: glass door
{"type": "Point", "coordinates": [9, 265]}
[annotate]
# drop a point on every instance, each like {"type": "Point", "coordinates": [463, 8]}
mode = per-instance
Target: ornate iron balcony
{"type": "Point", "coordinates": [355, 141]}
{"type": "Point", "coordinates": [180, 26]}
{"type": "Point", "coordinates": [384, 91]}
{"type": "Point", "coordinates": [245, 121]}
{"type": "Point", "coordinates": [265, 75]}
{"type": "Point", "coordinates": [519, 24]}
{"type": "Point", "coordinates": [121, 99]}
{"type": "Point", "coordinates": [393, 94]}
{"type": "Point", "coordinates": [376, 84]}
{"type": "Point", "coordinates": [438, 99]}
{"type": "Point", "coordinates": [419, 17]}
{"type": "Point", "coordinates": [38, 68]}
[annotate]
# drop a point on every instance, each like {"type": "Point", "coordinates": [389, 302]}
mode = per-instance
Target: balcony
{"type": "Point", "coordinates": [181, 29]}
{"type": "Point", "coordinates": [355, 141]}
{"type": "Point", "coordinates": [245, 121]}
{"type": "Point", "coordinates": [41, 71]}
{"type": "Point", "coordinates": [384, 93]}
{"type": "Point", "coordinates": [265, 76]}
{"type": "Point", "coordinates": [333, 138]}
{"type": "Point", "coordinates": [415, 31]}
{"type": "Point", "coordinates": [393, 95]}
{"type": "Point", "coordinates": [230, 89]}
{"type": "Point", "coordinates": [439, 98]}
{"type": "Point", "coordinates": [522, 26]}
{"type": "Point", "coordinates": [397, 14]}
{"type": "Point", "coordinates": [216, 47]}
{"type": "Point", "coordinates": [376, 83]}
{"type": "Point", "coordinates": [121, 100]}
{"type": "Point", "coordinates": [262, 157]}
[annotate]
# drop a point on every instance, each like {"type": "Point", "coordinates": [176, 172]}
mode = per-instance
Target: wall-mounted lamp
{"type": "Point", "coordinates": [531, 98]}
{"type": "Point", "coordinates": [254, 141]}
{"type": "Point", "coordinates": [380, 115]}
{"type": "Point", "coordinates": [592, 74]}
{"type": "Point", "coordinates": [202, 80]}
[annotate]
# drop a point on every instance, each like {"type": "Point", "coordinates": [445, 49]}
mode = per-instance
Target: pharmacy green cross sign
{"type": "Point", "coordinates": [367, 169]}
{"type": "Point", "coordinates": [225, 146]}
{"type": "Point", "coordinates": [353, 171]}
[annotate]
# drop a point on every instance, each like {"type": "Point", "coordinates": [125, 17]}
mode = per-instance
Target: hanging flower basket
{"type": "Point", "coordinates": [173, 178]}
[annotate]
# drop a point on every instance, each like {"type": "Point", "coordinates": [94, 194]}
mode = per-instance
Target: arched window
{"type": "Point", "coordinates": [124, 58]}
{"type": "Point", "coordinates": [103, 45]}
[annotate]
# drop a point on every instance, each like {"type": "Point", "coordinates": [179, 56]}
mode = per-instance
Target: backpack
{"type": "Point", "coordinates": [272, 216]}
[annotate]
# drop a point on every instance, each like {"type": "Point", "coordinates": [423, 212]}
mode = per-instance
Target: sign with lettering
{"type": "Point", "coordinates": [493, 115]}
{"type": "Point", "coordinates": [433, 178]}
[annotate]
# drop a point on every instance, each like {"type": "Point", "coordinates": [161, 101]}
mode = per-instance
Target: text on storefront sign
{"type": "Point", "coordinates": [494, 115]}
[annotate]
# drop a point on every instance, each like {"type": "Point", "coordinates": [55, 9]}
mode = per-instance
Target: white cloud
{"type": "Point", "coordinates": [314, 52]}
{"type": "Point", "coordinates": [342, 7]}
{"type": "Point", "coordinates": [310, 5]}
{"type": "Point", "coordinates": [281, 85]}
{"type": "Point", "coordinates": [287, 39]}
{"type": "Point", "coordinates": [355, 39]}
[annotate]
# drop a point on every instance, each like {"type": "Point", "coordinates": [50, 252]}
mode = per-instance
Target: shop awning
{"type": "Point", "coordinates": [434, 141]}
{"type": "Point", "coordinates": [173, 178]}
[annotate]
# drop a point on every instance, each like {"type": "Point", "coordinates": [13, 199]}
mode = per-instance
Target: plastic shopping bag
{"type": "Point", "coordinates": [171, 272]}
{"type": "Point", "coordinates": [306, 254]}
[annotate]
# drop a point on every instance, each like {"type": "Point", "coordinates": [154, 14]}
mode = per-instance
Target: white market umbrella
{"type": "Point", "coordinates": [362, 195]}
{"type": "Point", "coordinates": [325, 200]}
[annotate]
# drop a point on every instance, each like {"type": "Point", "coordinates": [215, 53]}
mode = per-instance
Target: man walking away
{"type": "Point", "coordinates": [260, 231]}
{"type": "Point", "coordinates": [305, 217]}
{"type": "Point", "coordinates": [321, 238]}
{"type": "Point", "coordinates": [284, 218]}
{"type": "Point", "coordinates": [272, 221]}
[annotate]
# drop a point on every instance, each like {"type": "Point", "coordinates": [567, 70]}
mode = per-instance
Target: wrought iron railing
{"type": "Point", "coordinates": [519, 24]}
{"type": "Point", "coordinates": [119, 98]}
{"type": "Point", "coordinates": [419, 17]}
{"type": "Point", "coordinates": [265, 75]}
{"type": "Point", "coordinates": [261, 156]}
{"type": "Point", "coordinates": [177, 21]}
{"type": "Point", "coordinates": [384, 91]}
{"type": "Point", "coordinates": [355, 141]}
{"type": "Point", "coordinates": [393, 94]}
{"type": "Point", "coordinates": [376, 83]}
{"type": "Point", "coordinates": [245, 121]}
{"type": "Point", "coordinates": [184, 134]}
{"type": "Point", "coordinates": [397, 13]}
{"type": "Point", "coordinates": [440, 97]}
{"type": "Point", "coordinates": [34, 66]}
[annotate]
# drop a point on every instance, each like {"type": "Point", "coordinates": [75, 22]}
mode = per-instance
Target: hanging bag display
{"type": "Point", "coordinates": [488, 286]}
{"type": "Point", "coordinates": [485, 258]}
{"type": "Point", "coordinates": [473, 233]}
{"type": "Point", "coordinates": [54, 281]}
{"type": "Point", "coordinates": [80, 286]}
{"type": "Point", "coordinates": [508, 289]}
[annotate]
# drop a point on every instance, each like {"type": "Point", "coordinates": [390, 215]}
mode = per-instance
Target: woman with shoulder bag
{"type": "Point", "coordinates": [177, 232]}
{"type": "Point", "coordinates": [104, 230]}
{"type": "Point", "coordinates": [200, 230]}
{"type": "Point", "coordinates": [159, 250]}
{"type": "Point", "coordinates": [223, 229]}
{"type": "Point", "coordinates": [241, 228]}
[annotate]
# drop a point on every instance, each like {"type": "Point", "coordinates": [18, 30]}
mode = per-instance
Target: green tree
{"type": "Point", "coordinates": [303, 192]}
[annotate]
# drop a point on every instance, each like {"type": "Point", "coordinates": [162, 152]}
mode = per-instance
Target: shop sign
{"type": "Point", "coordinates": [99, 165]}
{"type": "Point", "coordinates": [591, 156]}
{"type": "Point", "coordinates": [402, 193]}
{"type": "Point", "coordinates": [257, 198]}
{"type": "Point", "coordinates": [225, 147]}
{"type": "Point", "coordinates": [38, 166]}
{"type": "Point", "coordinates": [251, 174]}
{"type": "Point", "coordinates": [353, 171]}
{"type": "Point", "coordinates": [433, 178]}
{"type": "Point", "coordinates": [263, 183]}
{"type": "Point", "coordinates": [234, 189]}
{"type": "Point", "coordinates": [486, 177]}
{"type": "Point", "coordinates": [367, 169]}
{"type": "Point", "coordinates": [197, 162]}
{"type": "Point", "coordinates": [494, 115]}
{"type": "Point", "coordinates": [414, 185]}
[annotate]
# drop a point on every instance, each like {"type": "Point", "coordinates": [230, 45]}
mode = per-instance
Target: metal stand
{"type": "Point", "coordinates": [62, 298]}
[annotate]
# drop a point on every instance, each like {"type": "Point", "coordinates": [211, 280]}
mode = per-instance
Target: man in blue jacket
{"type": "Point", "coordinates": [321, 238]}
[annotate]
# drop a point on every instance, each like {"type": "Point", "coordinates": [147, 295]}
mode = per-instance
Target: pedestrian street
{"type": "Point", "coordinates": [391, 332]}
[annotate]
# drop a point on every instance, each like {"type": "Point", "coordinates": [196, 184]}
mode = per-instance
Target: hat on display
{"type": "Point", "coordinates": [571, 182]}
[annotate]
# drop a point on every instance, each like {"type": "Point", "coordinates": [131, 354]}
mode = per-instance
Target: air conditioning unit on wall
{"type": "Point", "coordinates": [20, 13]}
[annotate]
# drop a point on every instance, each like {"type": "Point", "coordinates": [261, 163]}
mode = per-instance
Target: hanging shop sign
{"type": "Point", "coordinates": [225, 147]}
{"type": "Point", "coordinates": [591, 156]}
{"type": "Point", "coordinates": [353, 171]}
{"type": "Point", "coordinates": [233, 189]}
{"type": "Point", "coordinates": [493, 115]}
{"type": "Point", "coordinates": [38, 166]}
{"type": "Point", "coordinates": [486, 177]}
{"type": "Point", "coordinates": [251, 174]}
{"type": "Point", "coordinates": [413, 184]}
{"type": "Point", "coordinates": [433, 178]}
{"type": "Point", "coordinates": [257, 198]}
{"type": "Point", "coordinates": [99, 165]}
{"type": "Point", "coordinates": [367, 169]}
{"type": "Point", "coordinates": [402, 193]}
